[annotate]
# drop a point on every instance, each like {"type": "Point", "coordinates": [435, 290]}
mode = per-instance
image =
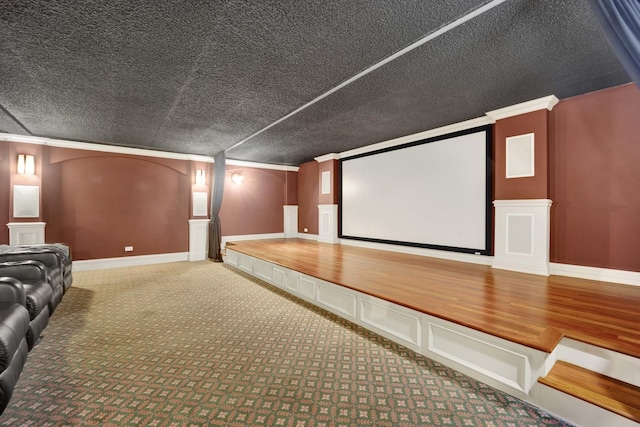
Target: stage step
{"type": "Point", "coordinates": [608, 393]}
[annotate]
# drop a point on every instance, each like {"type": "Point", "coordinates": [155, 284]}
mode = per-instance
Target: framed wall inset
{"type": "Point", "coordinates": [520, 156]}
{"type": "Point", "coordinates": [26, 201]}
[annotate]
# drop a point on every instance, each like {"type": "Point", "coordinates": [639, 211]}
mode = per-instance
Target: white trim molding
{"type": "Point", "coordinates": [307, 236]}
{"type": "Point", "coordinates": [328, 223]}
{"type": "Point", "coordinates": [326, 157]}
{"type": "Point", "coordinates": [105, 148]}
{"type": "Point", "coordinates": [26, 233]}
{"type": "Point", "coordinates": [595, 273]}
{"type": "Point", "coordinates": [130, 261]}
{"type": "Point", "coordinates": [513, 236]}
{"type": "Point", "coordinates": [544, 103]}
{"type": "Point", "coordinates": [198, 239]}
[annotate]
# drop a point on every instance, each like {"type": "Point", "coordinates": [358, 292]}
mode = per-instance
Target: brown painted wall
{"type": "Point", "coordinates": [332, 197]}
{"type": "Point", "coordinates": [535, 187]}
{"type": "Point", "coordinates": [102, 202]}
{"type": "Point", "coordinates": [4, 192]}
{"type": "Point", "coordinates": [308, 190]}
{"type": "Point", "coordinates": [595, 178]}
{"type": "Point", "coordinates": [255, 206]}
{"type": "Point", "coordinates": [291, 196]}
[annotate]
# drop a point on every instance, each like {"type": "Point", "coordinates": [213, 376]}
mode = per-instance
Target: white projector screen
{"type": "Point", "coordinates": [434, 193]}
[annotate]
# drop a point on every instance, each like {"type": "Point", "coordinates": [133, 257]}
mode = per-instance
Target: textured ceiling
{"type": "Point", "coordinates": [200, 76]}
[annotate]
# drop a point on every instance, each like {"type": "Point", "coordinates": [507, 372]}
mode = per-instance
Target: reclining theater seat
{"type": "Point", "coordinates": [53, 271]}
{"type": "Point", "coordinates": [33, 276]}
{"type": "Point", "coordinates": [14, 323]}
{"type": "Point", "coordinates": [63, 251]}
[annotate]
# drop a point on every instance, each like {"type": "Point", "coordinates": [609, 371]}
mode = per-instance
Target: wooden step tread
{"type": "Point", "coordinates": [606, 392]}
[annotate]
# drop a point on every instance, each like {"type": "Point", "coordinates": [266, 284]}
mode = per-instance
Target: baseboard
{"type": "Point", "coordinates": [130, 261]}
{"type": "Point", "coordinates": [307, 236]}
{"type": "Point", "coordinates": [595, 273]}
{"type": "Point", "coordinates": [453, 256]}
{"type": "Point", "coordinates": [541, 269]}
{"type": "Point", "coordinates": [238, 238]}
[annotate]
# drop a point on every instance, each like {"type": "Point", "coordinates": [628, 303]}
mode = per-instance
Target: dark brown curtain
{"type": "Point", "coordinates": [215, 234]}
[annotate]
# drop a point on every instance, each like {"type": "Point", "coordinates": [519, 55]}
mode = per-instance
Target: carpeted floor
{"type": "Point", "coordinates": [202, 344]}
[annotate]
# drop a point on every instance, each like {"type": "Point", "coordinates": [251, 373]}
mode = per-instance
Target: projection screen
{"type": "Point", "coordinates": [434, 193]}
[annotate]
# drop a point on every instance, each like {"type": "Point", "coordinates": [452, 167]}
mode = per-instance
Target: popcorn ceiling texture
{"type": "Point", "coordinates": [199, 76]}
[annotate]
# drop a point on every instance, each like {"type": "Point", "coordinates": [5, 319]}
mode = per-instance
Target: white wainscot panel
{"type": "Point", "coordinates": [307, 287]}
{"type": "Point", "coordinates": [231, 257]}
{"type": "Point", "coordinates": [292, 283]}
{"type": "Point", "coordinates": [279, 277]}
{"type": "Point", "coordinates": [390, 319]}
{"type": "Point", "coordinates": [245, 263]}
{"type": "Point", "coordinates": [501, 364]}
{"type": "Point", "coordinates": [338, 300]}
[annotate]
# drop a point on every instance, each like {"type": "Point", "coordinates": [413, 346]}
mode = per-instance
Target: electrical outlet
{"type": "Point", "coordinates": [306, 230]}
{"type": "Point", "coordinates": [128, 248]}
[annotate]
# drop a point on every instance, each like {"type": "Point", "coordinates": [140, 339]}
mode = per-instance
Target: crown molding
{"type": "Point", "coordinates": [547, 102]}
{"type": "Point", "coordinates": [246, 164]}
{"type": "Point", "coordinates": [326, 157]}
{"type": "Point", "coordinates": [116, 149]}
{"type": "Point", "coordinates": [468, 124]}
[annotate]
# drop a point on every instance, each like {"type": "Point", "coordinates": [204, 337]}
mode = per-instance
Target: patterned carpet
{"type": "Point", "coordinates": [193, 344]}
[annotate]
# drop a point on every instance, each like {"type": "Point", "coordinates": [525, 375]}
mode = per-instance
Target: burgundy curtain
{"type": "Point", "coordinates": [215, 234]}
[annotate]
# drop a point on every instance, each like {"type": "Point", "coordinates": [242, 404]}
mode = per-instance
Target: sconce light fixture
{"type": "Point", "coordinates": [237, 178]}
{"type": "Point", "coordinates": [26, 164]}
{"type": "Point", "coordinates": [200, 177]}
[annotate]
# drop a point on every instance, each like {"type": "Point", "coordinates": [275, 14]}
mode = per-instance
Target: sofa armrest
{"type": "Point", "coordinates": [12, 291]}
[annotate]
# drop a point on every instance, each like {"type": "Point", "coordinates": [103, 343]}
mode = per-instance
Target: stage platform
{"type": "Point", "coordinates": [504, 328]}
{"type": "Point", "coordinates": [531, 310]}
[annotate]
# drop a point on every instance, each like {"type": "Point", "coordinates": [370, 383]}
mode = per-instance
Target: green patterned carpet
{"type": "Point", "coordinates": [192, 344]}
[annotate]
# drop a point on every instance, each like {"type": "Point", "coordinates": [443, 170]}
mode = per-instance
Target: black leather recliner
{"type": "Point", "coordinates": [53, 269]}
{"type": "Point", "coordinates": [64, 254]}
{"type": "Point", "coordinates": [14, 323]}
{"type": "Point", "coordinates": [62, 251]}
{"type": "Point", "coordinates": [33, 276]}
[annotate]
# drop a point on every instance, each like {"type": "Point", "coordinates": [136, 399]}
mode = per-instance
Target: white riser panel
{"type": "Point", "coordinates": [292, 283]}
{"type": "Point", "coordinates": [263, 270]}
{"type": "Point", "coordinates": [245, 263]}
{"type": "Point", "coordinates": [391, 320]}
{"type": "Point", "coordinates": [231, 258]}
{"type": "Point", "coordinates": [279, 277]}
{"type": "Point", "coordinates": [501, 364]}
{"type": "Point", "coordinates": [307, 288]}
{"type": "Point", "coordinates": [336, 299]}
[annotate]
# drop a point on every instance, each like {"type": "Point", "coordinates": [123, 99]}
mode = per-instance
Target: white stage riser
{"type": "Point", "coordinates": [502, 364]}
{"type": "Point", "coordinates": [576, 410]}
{"type": "Point", "coordinates": [505, 365]}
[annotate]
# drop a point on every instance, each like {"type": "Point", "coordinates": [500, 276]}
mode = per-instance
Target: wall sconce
{"type": "Point", "coordinates": [200, 177]}
{"type": "Point", "coordinates": [237, 178]}
{"type": "Point", "coordinates": [26, 164]}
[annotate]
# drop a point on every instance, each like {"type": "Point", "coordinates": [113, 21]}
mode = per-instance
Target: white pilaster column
{"type": "Point", "coordinates": [198, 239]}
{"type": "Point", "coordinates": [328, 223]}
{"type": "Point", "coordinates": [290, 220]}
{"type": "Point", "coordinates": [26, 233]}
{"type": "Point", "coordinates": [522, 235]}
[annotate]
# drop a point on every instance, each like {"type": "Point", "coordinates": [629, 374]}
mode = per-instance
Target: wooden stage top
{"type": "Point", "coordinates": [535, 311]}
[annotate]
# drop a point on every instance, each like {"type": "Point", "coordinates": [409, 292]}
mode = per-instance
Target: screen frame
{"type": "Point", "coordinates": [488, 129]}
